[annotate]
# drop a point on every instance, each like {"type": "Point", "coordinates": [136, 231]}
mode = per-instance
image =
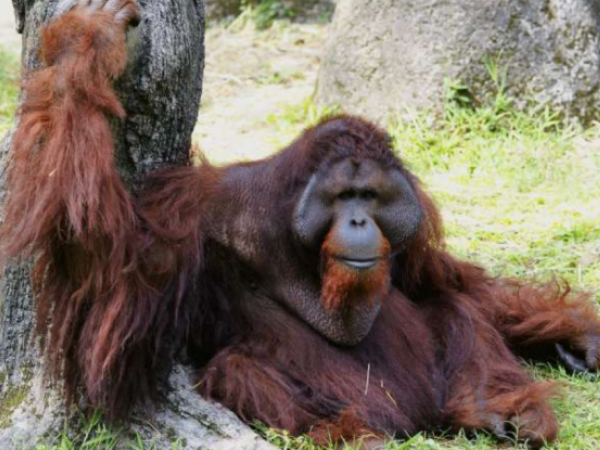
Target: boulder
{"type": "Point", "coordinates": [386, 56]}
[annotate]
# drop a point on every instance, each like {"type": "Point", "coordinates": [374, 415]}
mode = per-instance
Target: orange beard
{"type": "Point", "coordinates": [343, 285]}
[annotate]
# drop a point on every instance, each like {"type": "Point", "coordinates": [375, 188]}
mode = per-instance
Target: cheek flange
{"type": "Point", "coordinates": [399, 219]}
{"type": "Point", "coordinates": [312, 216]}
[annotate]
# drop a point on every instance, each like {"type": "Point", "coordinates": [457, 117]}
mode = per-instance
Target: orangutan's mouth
{"type": "Point", "coordinates": [359, 264]}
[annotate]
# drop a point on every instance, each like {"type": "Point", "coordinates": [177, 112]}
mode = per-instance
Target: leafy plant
{"type": "Point", "coordinates": [267, 11]}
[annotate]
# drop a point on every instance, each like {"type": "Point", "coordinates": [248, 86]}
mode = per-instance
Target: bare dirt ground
{"type": "Point", "coordinates": [9, 39]}
{"type": "Point", "coordinates": [250, 76]}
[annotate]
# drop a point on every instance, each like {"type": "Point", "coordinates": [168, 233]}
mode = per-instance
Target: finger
{"type": "Point", "coordinates": [63, 7]}
{"type": "Point", "coordinates": [497, 426]}
{"type": "Point", "coordinates": [96, 4]}
{"type": "Point", "coordinates": [571, 361]}
{"type": "Point", "coordinates": [592, 360]}
{"type": "Point", "coordinates": [129, 15]}
{"type": "Point", "coordinates": [592, 355]}
{"type": "Point", "coordinates": [112, 5]}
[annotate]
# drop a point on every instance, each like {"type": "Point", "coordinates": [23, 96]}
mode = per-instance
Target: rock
{"type": "Point", "coordinates": [31, 412]}
{"type": "Point", "coordinates": [388, 56]}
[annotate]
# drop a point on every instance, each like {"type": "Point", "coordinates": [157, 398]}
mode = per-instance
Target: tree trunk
{"type": "Point", "coordinates": [161, 93]}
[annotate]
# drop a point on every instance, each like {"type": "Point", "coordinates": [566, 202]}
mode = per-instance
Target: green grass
{"type": "Point", "coordinates": [519, 193]}
{"type": "Point", "coordinates": [268, 11]}
{"type": "Point", "coordinates": [9, 89]}
{"type": "Point", "coordinates": [94, 434]}
{"type": "Point", "coordinates": [263, 14]}
{"type": "Point", "coordinates": [294, 119]}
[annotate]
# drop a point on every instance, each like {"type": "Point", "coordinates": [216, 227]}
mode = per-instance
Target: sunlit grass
{"type": "Point", "coordinates": [518, 192]}
{"type": "Point", "coordinates": [94, 434]}
{"type": "Point", "coordinates": [294, 119]}
{"type": "Point", "coordinates": [9, 88]}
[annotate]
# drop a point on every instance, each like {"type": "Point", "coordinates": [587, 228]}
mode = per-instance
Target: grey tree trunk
{"type": "Point", "coordinates": [161, 93]}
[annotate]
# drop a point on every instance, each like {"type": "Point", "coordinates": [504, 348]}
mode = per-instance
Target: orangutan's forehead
{"type": "Point", "coordinates": [358, 173]}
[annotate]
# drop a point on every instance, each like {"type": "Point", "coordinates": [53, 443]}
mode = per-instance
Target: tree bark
{"type": "Point", "coordinates": [161, 92]}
